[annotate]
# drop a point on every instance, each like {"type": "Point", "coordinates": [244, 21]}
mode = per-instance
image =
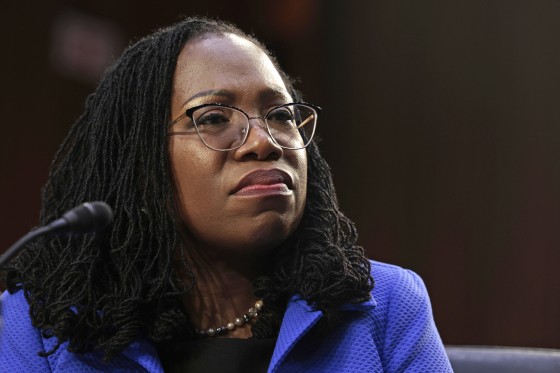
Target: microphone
{"type": "Point", "coordinates": [85, 218]}
{"type": "Point", "coordinates": [88, 217]}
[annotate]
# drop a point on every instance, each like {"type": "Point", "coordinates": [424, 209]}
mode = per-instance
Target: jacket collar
{"type": "Point", "coordinates": [299, 318]}
{"type": "Point", "coordinates": [144, 353]}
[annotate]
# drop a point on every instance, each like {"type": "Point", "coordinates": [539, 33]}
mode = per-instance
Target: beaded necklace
{"type": "Point", "coordinates": [251, 314]}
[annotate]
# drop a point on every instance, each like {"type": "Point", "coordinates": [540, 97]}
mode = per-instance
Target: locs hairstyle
{"type": "Point", "coordinates": [101, 292]}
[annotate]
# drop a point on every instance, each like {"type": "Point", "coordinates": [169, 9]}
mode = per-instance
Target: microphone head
{"type": "Point", "coordinates": [88, 217]}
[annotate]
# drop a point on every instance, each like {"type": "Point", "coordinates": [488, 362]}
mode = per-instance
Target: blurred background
{"type": "Point", "coordinates": [441, 123]}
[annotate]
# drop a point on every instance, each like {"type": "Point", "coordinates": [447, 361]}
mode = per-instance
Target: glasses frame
{"type": "Point", "coordinates": [189, 114]}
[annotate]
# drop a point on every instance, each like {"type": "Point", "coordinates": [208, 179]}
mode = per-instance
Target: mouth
{"type": "Point", "coordinates": [269, 181]}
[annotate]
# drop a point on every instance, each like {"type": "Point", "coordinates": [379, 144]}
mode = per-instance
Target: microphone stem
{"type": "Point", "coordinates": [20, 244]}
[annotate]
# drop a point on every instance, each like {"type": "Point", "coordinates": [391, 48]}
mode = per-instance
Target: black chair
{"type": "Point", "coordinates": [495, 359]}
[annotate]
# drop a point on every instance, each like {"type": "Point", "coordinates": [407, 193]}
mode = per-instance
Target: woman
{"type": "Point", "coordinates": [228, 251]}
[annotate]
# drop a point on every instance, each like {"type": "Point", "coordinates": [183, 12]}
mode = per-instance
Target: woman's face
{"type": "Point", "coordinates": [245, 200]}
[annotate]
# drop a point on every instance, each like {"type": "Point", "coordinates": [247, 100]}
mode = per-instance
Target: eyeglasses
{"type": "Point", "coordinates": [223, 127]}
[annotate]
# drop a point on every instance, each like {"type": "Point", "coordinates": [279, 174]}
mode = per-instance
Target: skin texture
{"type": "Point", "coordinates": [229, 235]}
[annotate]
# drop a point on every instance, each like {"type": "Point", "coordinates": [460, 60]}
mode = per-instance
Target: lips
{"type": "Point", "coordinates": [264, 180]}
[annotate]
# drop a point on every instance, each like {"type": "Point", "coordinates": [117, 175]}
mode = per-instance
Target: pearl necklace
{"type": "Point", "coordinates": [251, 314]}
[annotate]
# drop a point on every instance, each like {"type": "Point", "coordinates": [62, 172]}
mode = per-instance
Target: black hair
{"type": "Point", "coordinates": [100, 292]}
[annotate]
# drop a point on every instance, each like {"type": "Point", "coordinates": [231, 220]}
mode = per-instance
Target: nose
{"type": "Point", "coordinates": [258, 145]}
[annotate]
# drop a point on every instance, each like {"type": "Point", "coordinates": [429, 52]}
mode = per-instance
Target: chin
{"type": "Point", "coordinates": [264, 237]}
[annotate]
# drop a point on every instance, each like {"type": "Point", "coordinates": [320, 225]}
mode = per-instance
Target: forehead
{"type": "Point", "coordinates": [224, 62]}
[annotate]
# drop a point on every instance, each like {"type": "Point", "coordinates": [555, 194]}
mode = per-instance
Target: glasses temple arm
{"type": "Point", "coordinates": [305, 121]}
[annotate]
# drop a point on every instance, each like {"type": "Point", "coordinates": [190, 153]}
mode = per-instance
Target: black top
{"type": "Point", "coordinates": [217, 355]}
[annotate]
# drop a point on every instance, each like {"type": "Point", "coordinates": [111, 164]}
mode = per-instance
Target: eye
{"type": "Point", "coordinates": [281, 115]}
{"type": "Point", "coordinates": [214, 117]}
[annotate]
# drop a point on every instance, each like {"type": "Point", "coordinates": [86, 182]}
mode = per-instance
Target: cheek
{"type": "Point", "coordinates": [300, 164]}
{"type": "Point", "coordinates": [195, 177]}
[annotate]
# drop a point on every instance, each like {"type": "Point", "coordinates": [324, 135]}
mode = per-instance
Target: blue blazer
{"type": "Point", "coordinates": [392, 332]}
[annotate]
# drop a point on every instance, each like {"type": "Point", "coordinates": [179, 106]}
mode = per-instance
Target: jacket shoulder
{"type": "Point", "coordinates": [409, 337]}
{"type": "Point", "coordinates": [391, 280]}
{"type": "Point", "coordinates": [20, 342]}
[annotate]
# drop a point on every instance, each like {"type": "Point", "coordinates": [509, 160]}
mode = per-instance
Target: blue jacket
{"type": "Point", "coordinates": [392, 332]}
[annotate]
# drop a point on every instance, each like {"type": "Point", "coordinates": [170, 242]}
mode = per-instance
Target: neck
{"type": "Point", "coordinates": [223, 289]}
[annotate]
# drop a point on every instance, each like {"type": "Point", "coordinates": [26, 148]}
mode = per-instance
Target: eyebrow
{"type": "Point", "coordinates": [211, 92]}
{"type": "Point", "coordinates": [267, 94]}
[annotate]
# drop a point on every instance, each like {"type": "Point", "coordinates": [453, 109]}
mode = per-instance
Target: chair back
{"type": "Point", "coordinates": [495, 359]}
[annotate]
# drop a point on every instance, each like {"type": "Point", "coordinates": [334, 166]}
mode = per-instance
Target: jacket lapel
{"type": "Point", "coordinates": [298, 319]}
{"type": "Point", "coordinates": [145, 354]}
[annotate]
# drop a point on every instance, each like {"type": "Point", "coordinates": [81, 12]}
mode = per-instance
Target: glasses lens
{"type": "Point", "coordinates": [292, 126]}
{"type": "Point", "coordinates": [221, 128]}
